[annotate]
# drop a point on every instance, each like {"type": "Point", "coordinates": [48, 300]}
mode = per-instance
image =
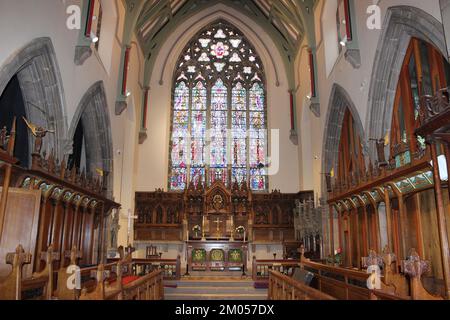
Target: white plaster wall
{"type": "Point", "coordinates": [21, 21]}
{"type": "Point", "coordinates": [154, 153]}
{"type": "Point", "coordinates": [355, 81]}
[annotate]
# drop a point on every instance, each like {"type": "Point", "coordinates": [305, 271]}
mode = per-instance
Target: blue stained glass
{"type": "Point", "coordinates": [219, 122]}
{"type": "Point", "coordinates": [257, 152]}
{"type": "Point", "coordinates": [198, 124]}
{"type": "Point", "coordinates": [258, 179]}
{"type": "Point", "coordinates": [218, 174]}
{"type": "Point", "coordinates": [239, 124]}
{"type": "Point", "coordinates": [257, 98]}
{"type": "Point", "coordinates": [218, 152]}
{"type": "Point", "coordinates": [179, 152]}
{"type": "Point", "coordinates": [257, 121]}
{"type": "Point", "coordinates": [197, 175]}
{"type": "Point", "coordinates": [197, 152]}
{"type": "Point", "coordinates": [223, 52]}
{"type": "Point", "coordinates": [239, 151]}
{"type": "Point", "coordinates": [199, 97]}
{"type": "Point", "coordinates": [239, 175]}
{"type": "Point", "coordinates": [178, 179]}
{"type": "Point", "coordinates": [181, 97]}
{"type": "Point", "coordinates": [180, 124]}
{"type": "Point", "coordinates": [239, 97]}
{"type": "Point", "coordinates": [219, 96]}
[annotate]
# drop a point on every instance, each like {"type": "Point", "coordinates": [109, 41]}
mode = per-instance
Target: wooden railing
{"type": "Point", "coordinates": [341, 283]}
{"type": "Point", "coordinates": [170, 268]}
{"type": "Point", "coordinates": [149, 287]}
{"type": "Point", "coordinates": [282, 287]}
{"type": "Point", "coordinates": [261, 268]}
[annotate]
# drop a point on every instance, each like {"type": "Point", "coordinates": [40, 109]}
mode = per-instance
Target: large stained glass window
{"type": "Point", "coordinates": [219, 127]}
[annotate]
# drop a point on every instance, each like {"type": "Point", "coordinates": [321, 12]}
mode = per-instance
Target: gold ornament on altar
{"type": "Point", "coordinates": [217, 255]}
{"type": "Point", "coordinates": [218, 202]}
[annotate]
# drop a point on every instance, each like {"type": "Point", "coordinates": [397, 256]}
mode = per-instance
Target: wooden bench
{"type": "Point", "coordinates": [14, 287]}
{"type": "Point", "coordinates": [282, 287]}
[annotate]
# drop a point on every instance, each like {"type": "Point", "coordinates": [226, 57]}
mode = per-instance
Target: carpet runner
{"type": "Point", "coordinates": [213, 288]}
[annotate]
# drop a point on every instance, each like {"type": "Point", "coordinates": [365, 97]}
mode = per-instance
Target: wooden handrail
{"type": "Point", "coordinates": [149, 287]}
{"type": "Point", "coordinates": [341, 283]}
{"type": "Point", "coordinates": [267, 265]}
{"type": "Point", "coordinates": [350, 273]}
{"type": "Point", "coordinates": [282, 287]}
{"type": "Point", "coordinates": [173, 273]}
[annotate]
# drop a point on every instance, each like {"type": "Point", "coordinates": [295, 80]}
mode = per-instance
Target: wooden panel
{"type": "Point", "coordinates": [87, 237]}
{"type": "Point", "coordinates": [67, 233]}
{"type": "Point", "coordinates": [21, 225]}
{"type": "Point", "coordinates": [333, 290]}
{"type": "Point", "coordinates": [355, 294]}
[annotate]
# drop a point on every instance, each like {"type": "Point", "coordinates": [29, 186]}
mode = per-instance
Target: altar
{"type": "Point", "coordinates": [216, 227]}
{"type": "Point", "coordinates": [217, 255]}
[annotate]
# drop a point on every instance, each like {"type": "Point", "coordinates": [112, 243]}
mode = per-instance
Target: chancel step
{"type": "Point", "coordinates": [208, 289]}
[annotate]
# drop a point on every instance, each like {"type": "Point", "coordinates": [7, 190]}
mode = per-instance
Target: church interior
{"type": "Point", "coordinates": [224, 150]}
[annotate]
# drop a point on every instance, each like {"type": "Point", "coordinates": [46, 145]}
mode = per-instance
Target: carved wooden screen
{"type": "Point", "coordinates": [351, 158]}
{"type": "Point", "coordinates": [219, 112]}
{"type": "Point", "coordinates": [424, 72]}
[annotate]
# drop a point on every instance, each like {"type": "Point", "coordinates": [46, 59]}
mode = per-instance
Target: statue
{"type": "Point", "coordinates": [381, 144]}
{"type": "Point", "coordinates": [39, 133]}
{"type": "Point", "coordinates": [3, 137]}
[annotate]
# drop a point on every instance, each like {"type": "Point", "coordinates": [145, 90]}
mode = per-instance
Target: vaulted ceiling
{"type": "Point", "coordinates": [287, 22]}
{"type": "Point", "coordinates": [285, 16]}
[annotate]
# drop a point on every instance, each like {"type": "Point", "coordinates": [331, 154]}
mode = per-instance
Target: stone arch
{"type": "Point", "coordinates": [400, 25]}
{"type": "Point", "coordinates": [93, 113]}
{"type": "Point", "coordinates": [38, 72]}
{"type": "Point", "coordinates": [339, 102]}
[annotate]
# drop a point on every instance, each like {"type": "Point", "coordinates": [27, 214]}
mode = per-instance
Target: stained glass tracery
{"type": "Point", "coordinates": [219, 112]}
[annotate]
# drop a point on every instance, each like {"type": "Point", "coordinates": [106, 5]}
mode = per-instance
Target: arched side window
{"type": "Point", "coordinates": [424, 72]}
{"type": "Point", "coordinates": [219, 126]}
{"type": "Point", "coordinates": [351, 157]}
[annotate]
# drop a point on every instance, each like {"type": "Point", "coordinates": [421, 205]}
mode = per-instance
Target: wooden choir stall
{"type": "Point", "coordinates": [52, 233]}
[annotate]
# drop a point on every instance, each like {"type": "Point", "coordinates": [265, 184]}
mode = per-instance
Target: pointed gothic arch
{"type": "Point", "coordinates": [93, 114]}
{"type": "Point", "coordinates": [340, 101]}
{"type": "Point", "coordinates": [37, 70]}
{"type": "Point", "coordinates": [401, 24]}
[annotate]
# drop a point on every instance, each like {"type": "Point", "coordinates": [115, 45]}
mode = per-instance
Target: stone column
{"type": "Point", "coordinates": [445, 11]}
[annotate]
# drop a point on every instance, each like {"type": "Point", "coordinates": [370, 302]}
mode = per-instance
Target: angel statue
{"type": "Point", "coordinates": [39, 133]}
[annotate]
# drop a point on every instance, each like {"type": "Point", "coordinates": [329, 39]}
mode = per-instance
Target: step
{"type": "Point", "coordinates": [211, 284]}
{"type": "Point", "coordinates": [202, 296]}
{"type": "Point", "coordinates": [218, 290]}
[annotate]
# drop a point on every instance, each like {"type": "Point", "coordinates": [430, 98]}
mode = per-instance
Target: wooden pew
{"type": "Point", "coordinates": [415, 267]}
{"type": "Point", "coordinates": [394, 286]}
{"type": "Point", "coordinates": [11, 285]}
{"type": "Point", "coordinates": [105, 290]}
{"type": "Point", "coordinates": [282, 287]}
{"type": "Point", "coordinates": [45, 279]}
{"type": "Point", "coordinates": [148, 287]}
{"type": "Point", "coordinates": [62, 292]}
{"type": "Point", "coordinates": [341, 283]}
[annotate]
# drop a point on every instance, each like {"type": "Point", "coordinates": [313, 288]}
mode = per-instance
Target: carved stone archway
{"type": "Point", "coordinates": [40, 81]}
{"type": "Point", "coordinates": [401, 24]}
{"type": "Point", "coordinates": [93, 112]}
{"type": "Point", "coordinates": [340, 101]}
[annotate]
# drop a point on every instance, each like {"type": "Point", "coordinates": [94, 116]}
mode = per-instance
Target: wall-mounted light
{"type": "Point", "coordinates": [94, 37]}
